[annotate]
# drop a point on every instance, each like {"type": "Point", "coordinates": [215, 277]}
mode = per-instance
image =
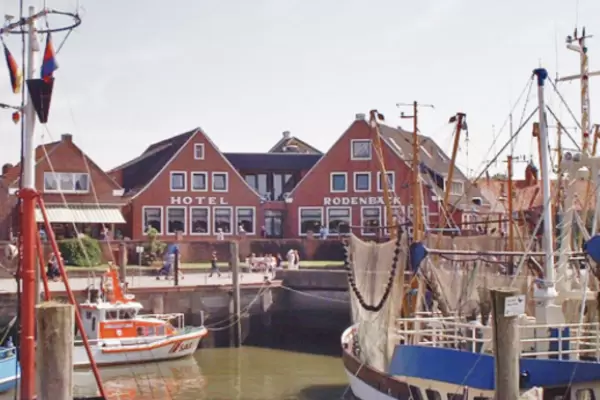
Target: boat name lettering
{"type": "Point", "coordinates": [363, 201]}
{"type": "Point", "coordinates": [181, 346]}
{"type": "Point", "coordinates": [119, 326]}
{"type": "Point", "coordinates": [198, 200]}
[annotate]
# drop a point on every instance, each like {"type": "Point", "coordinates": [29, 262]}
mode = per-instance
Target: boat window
{"type": "Point", "coordinates": [127, 314]}
{"type": "Point", "coordinates": [585, 394]}
{"type": "Point", "coordinates": [112, 314]}
{"type": "Point", "coordinates": [140, 331]}
{"type": "Point", "coordinates": [151, 331]}
{"type": "Point", "coordinates": [88, 314]}
{"type": "Point", "coordinates": [455, 396]}
{"type": "Point", "coordinates": [433, 395]}
{"type": "Point", "coordinates": [93, 324]}
{"type": "Point", "coordinates": [415, 393]}
{"type": "Point", "coordinates": [161, 330]}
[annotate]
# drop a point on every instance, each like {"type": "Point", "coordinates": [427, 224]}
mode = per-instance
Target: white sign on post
{"type": "Point", "coordinates": [139, 249]}
{"type": "Point", "coordinates": [514, 306]}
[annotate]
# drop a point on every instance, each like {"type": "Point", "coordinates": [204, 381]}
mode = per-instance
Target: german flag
{"type": "Point", "coordinates": [13, 69]}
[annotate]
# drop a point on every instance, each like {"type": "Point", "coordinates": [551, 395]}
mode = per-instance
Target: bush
{"type": "Point", "coordinates": [74, 252]}
{"type": "Point", "coordinates": [153, 249]}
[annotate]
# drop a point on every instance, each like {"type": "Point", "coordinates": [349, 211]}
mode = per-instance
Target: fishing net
{"type": "Point", "coordinates": [371, 264]}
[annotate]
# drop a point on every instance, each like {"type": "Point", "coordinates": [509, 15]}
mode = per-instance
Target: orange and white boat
{"type": "Point", "coordinates": [118, 334]}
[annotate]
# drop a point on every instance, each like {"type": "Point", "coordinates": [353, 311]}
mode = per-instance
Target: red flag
{"type": "Point", "coordinates": [13, 69]}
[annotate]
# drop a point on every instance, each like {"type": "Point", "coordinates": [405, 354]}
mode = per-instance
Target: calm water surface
{"type": "Point", "coordinates": [227, 374]}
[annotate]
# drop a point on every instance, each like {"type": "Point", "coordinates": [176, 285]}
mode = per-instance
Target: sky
{"type": "Point", "coordinates": [140, 71]}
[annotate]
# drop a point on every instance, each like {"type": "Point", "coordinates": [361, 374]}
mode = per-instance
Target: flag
{"type": "Point", "coordinates": [49, 64]}
{"type": "Point", "coordinates": [13, 69]}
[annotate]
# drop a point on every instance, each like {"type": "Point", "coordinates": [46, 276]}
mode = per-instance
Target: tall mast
{"type": "Point", "coordinates": [548, 290]}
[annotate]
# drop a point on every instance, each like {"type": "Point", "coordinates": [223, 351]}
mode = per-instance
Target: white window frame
{"type": "Point", "coordinates": [462, 187]}
{"type": "Point", "coordinates": [196, 147]}
{"type": "Point", "coordinates": [353, 157]}
{"type": "Point", "coordinates": [362, 219]}
{"type": "Point", "coordinates": [356, 189]}
{"type": "Point", "coordinates": [339, 208]}
{"type": "Point", "coordinates": [162, 219]}
{"type": "Point", "coordinates": [57, 175]}
{"type": "Point", "coordinates": [231, 222]}
{"type": "Point", "coordinates": [331, 175]}
{"type": "Point", "coordinates": [380, 182]}
{"type": "Point", "coordinates": [205, 181]}
{"type": "Point", "coordinates": [185, 220]}
{"type": "Point", "coordinates": [403, 211]}
{"type": "Point", "coordinates": [212, 183]}
{"type": "Point", "coordinates": [208, 221]}
{"type": "Point", "coordinates": [300, 209]}
{"type": "Point", "coordinates": [424, 150]}
{"type": "Point", "coordinates": [237, 222]}
{"type": "Point", "coordinates": [184, 173]}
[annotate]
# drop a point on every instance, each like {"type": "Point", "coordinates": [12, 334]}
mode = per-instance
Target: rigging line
{"type": "Point", "coordinates": [495, 158]}
{"type": "Point", "coordinates": [564, 102]}
{"type": "Point", "coordinates": [526, 89]}
{"type": "Point", "coordinates": [557, 120]}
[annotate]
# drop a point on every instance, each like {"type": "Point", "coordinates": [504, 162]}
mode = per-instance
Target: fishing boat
{"type": "Point", "coordinates": [118, 333]}
{"type": "Point", "coordinates": [10, 371]}
{"type": "Point", "coordinates": [413, 336]}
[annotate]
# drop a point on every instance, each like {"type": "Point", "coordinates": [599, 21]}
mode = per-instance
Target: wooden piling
{"type": "Point", "coordinates": [506, 345]}
{"type": "Point", "coordinates": [55, 333]}
{"type": "Point", "coordinates": [235, 273]}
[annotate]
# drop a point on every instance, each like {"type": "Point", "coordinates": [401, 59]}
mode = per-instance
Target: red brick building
{"type": "Point", "coordinates": [185, 184]}
{"type": "Point", "coordinates": [74, 189]}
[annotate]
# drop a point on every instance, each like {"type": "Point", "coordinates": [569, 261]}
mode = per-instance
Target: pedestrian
{"type": "Point", "coordinates": [220, 234]}
{"type": "Point", "coordinates": [296, 260]}
{"type": "Point", "coordinates": [214, 268]}
{"type": "Point", "coordinates": [290, 259]}
{"type": "Point", "coordinates": [52, 271]}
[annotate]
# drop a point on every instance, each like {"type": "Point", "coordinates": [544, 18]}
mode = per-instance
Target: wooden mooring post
{"type": "Point", "coordinates": [55, 333]}
{"type": "Point", "coordinates": [507, 305]}
{"type": "Point", "coordinates": [235, 274]}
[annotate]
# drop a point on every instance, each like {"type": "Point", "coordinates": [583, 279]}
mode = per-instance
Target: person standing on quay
{"type": "Point", "coordinates": [214, 268]}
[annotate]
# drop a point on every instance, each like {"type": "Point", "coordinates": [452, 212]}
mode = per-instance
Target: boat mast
{"type": "Point", "coordinates": [546, 291]}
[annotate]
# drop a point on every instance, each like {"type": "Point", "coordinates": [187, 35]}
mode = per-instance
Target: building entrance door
{"type": "Point", "coordinates": [274, 223]}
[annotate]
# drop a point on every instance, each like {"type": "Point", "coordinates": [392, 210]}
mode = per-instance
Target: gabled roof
{"type": "Point", "coordinates": [431, 155]}
{"type": "Point", "coordinates": [137, 173]}
{"type": "Point", "coordinates": [273, 161]}
{"type": "Point", "coordinates": [11, 177]}
{"type": "Point", "coordinates": [280, 146]}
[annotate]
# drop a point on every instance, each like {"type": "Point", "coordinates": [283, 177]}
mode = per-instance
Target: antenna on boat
{"type": "Point", "coordinates": [545, 292]}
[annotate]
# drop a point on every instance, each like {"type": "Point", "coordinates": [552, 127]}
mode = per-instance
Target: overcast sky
{"type": "Point", "coordinates": [139, 71]}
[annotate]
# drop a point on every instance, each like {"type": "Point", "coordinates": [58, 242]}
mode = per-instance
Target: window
{"type": "Point", "coordinates": [362, 181]}
{"type": "Point", "coordinates": [251, 180]}
{"type": "Point", "coordinates": [456, 188]}
{"type": "Point", "coordinates": [66, 182]}
{"type": "Point", "coordinates": [220, 182]}
{"type": "Point", "coordinates": [338, 182]}
{"type": "Point", "coordinates": [390, 178]}
{"type": "Point", "coordinates": [311, 220]}
{"type": "Point", "coordinates": [361, 149]}
{"type": "Point", "coordinates": [199, 181]}
{"type": "Point", "coordinates": [274, 223]}
{"type": "Point", "coordinates": [178, 181]}
{"type": "Point", "coordinates": [245, 218]}
{"type": "Point", "coordinates": [175, 220]}
{"type": "Point", "coordinates": [152, 218]}
{"type": "Point", "coordinates": [432, 394]}
{"type": "Point", "coordinates": [370, 220]}
{"type": "Point", "coordinates": [222, 219]}
{"type": "Point", "coordinates": [338, 220]}
{"type": "Point", "coordinates": [585, 394]}
{"type": "Point", "coordinates": [399, 217]}
{"type": "Point", "coordinates": [199, 221]}
{"type": "Point", "coordinates": [198, 151]}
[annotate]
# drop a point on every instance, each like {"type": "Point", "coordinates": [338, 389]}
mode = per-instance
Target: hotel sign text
{"type": "Point", "coordinates": [198, 200]}
{"type": "Point", "coordinates": [359, 201]}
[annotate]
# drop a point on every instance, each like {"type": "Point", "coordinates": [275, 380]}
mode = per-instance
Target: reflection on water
{"type": "Point", "coordinates": [224, 374]}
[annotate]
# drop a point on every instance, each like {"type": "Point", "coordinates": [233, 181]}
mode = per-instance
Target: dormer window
{"type": "Point", "coordinates": [66, 182]}
{"type": "Point", "coordinates": [360, 149]}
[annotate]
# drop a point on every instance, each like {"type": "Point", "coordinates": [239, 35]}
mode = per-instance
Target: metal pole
{"type": "Point", "coordinates": [29, 233]}
{"type": "Point", "coordinates": [549, 277]}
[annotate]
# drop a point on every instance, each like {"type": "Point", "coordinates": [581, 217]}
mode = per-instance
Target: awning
{"type": "Point", "coordinates": [82, 215]}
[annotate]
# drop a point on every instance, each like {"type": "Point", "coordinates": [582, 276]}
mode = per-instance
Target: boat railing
{"type": "Point", "coordinates": [177, 320]}
{"type": "Point", "coordinates": [7, 352]}
{"type": "Point", "coordinates": [562, 341]}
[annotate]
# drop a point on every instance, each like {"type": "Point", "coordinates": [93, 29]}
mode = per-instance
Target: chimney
{"type": "Point", "coordinates": [6, 168]}
{"type": "Point", "coordinates": [360, 117]}
{"type": "Point", "coordinates": [286, 134]}
{"type": "Point", "coordinates": [66, 137]}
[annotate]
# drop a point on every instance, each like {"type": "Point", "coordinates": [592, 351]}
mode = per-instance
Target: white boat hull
{"type": "Point", "coordinates": [117, 352]}
{"type": "Point", "coordinates": [364, 391]}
